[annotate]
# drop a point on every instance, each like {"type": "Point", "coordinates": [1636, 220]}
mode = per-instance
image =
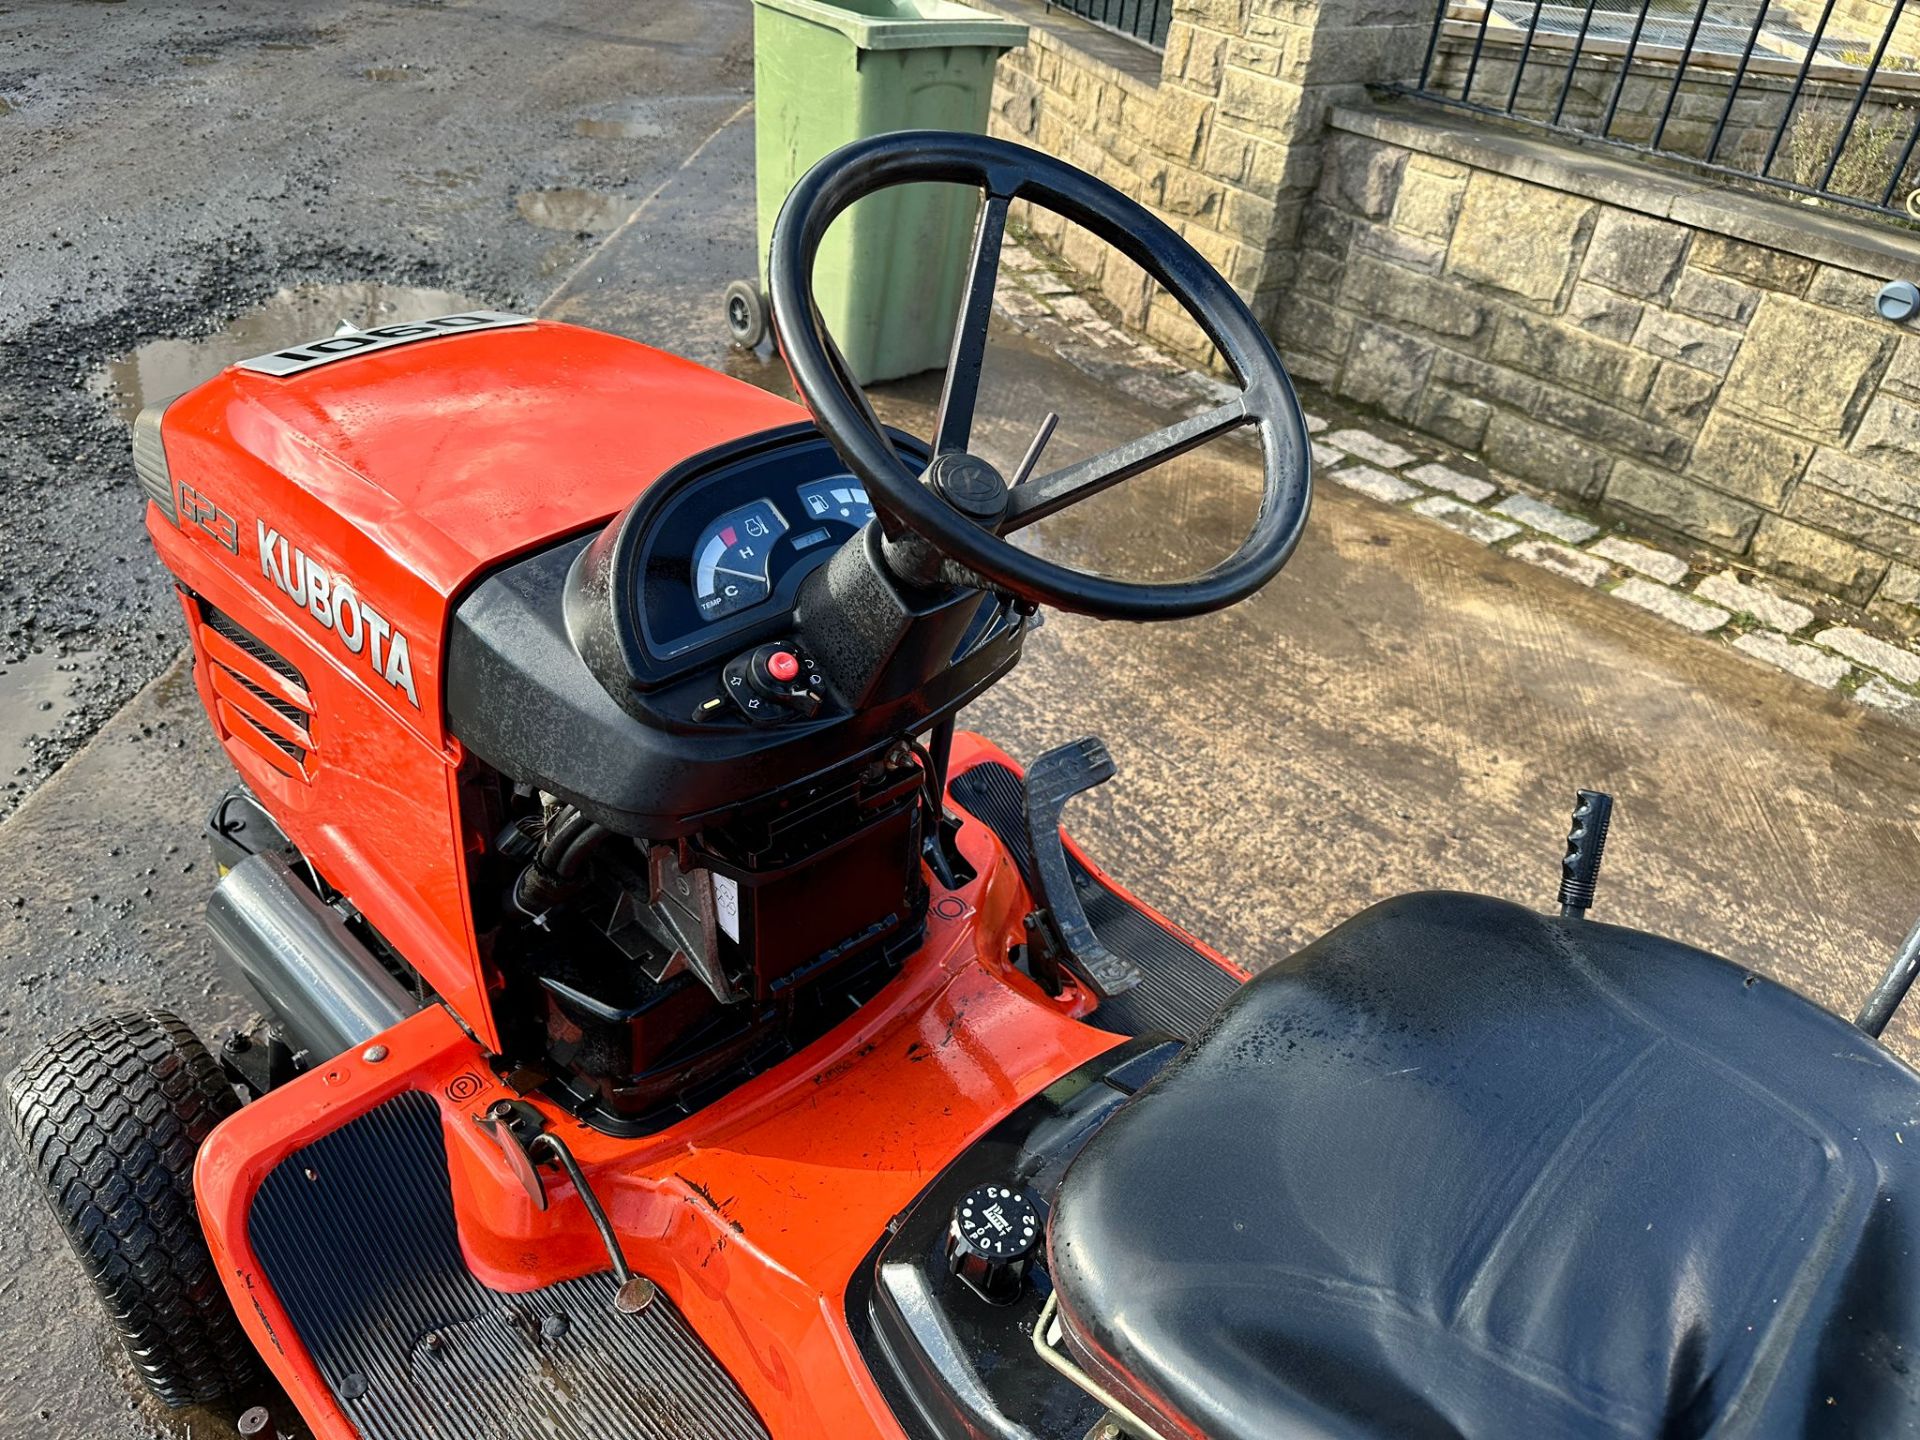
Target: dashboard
{"type": "Point", "coordinates": [711, 557]}
{"type": "Point", "coordinates": [737, 543]}
{"type": "Point", "coordinates": [615, 671]}
{"type": "Point", "coordinates": [742, 557]}
{"type": "Point", "coordinates": [615, 668]}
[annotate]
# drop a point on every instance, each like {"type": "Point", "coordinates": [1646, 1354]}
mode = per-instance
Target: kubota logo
{"type": "Point", "coordinates": [330, 599]}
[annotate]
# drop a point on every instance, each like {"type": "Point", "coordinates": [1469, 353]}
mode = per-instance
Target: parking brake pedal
{"type": "Point", "coordinates": [520, 1130]}
{"type": "Point", "coordinates": [1059, 931]}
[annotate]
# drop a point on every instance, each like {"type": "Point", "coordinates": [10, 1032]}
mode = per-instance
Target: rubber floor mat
{"type": "Point", "coordinates": [1183, 986]}
{"type": "Point", "coordinates": [356, 1235]}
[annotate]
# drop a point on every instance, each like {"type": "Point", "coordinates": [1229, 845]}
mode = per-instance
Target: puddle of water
{"type": "Point", "coordinates": [619, 129]}
{"type": "Point", "coordinates": [33, 700]}
{"type": "Point", "coordinates": [307, 312]}
{"type": "Point", "coordinates": [571, 210]}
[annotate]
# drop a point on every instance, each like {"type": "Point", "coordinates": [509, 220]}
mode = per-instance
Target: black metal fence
{"type": "Point", "coordinates": [1818, 99]}
{"type": "Point", "coordinates": [1139, 19]}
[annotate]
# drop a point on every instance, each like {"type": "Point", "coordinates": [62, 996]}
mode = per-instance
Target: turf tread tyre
{"type": "Point", "coordinates": [110, 1117]}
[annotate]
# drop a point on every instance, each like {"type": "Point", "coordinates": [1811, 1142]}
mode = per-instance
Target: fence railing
{"type": "Point", "coordinates": [1145, 20]}
{"type": "Point", "coordinates": [1820, 98]}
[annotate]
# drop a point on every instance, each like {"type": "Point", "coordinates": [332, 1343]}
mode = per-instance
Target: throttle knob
{"type": "Point", "coordinates": [992, 1241]}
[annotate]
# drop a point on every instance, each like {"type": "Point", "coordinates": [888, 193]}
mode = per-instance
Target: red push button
{"type": "Point", "coordinates": [782, 666]}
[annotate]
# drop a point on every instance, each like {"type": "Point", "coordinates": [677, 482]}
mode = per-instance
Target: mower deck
{"type": "Point", "coordinates": [356, 1235]}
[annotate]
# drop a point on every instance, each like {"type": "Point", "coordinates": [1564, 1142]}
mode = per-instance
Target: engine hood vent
{"type": "Point", "coordinates": [260, 699]}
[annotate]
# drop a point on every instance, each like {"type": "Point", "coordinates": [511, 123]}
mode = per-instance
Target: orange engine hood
{"type": "Point", "coordinates": [452, 454]}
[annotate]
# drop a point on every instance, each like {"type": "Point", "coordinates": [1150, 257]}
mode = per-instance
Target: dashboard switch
{"type": "Point", "coordinates": [774, 682]}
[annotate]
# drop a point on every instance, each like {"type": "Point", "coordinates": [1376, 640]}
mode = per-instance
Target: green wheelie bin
{"type": "Point", "coordinates": [826, 72]}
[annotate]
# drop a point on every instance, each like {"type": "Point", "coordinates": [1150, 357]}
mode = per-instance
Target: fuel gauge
{"type": "Point", "coordinates": [730, 562]}
{"type": "Point", "coordinates": [842, 498]}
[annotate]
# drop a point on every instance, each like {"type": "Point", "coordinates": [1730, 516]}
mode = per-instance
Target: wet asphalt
{"type": "Point", "coordinates": [1400, 710]}
{"type": "Point", "coordinates": [165, 167]}
{"type": "Point", "coordinates": [182, 185]}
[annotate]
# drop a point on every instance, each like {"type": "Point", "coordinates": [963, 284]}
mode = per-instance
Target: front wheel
{"type": "Point", "coordinates": [110, 1117]}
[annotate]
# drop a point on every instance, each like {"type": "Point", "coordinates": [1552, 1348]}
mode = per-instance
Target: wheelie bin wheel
{"type": "Point", "coordinates": [746, 313]}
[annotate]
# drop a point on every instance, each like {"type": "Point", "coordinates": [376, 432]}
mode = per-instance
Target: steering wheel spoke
{"type": "Point", "coordinates": [1071, 484]}
{"type": "Point", "coordinates": [960, 391]}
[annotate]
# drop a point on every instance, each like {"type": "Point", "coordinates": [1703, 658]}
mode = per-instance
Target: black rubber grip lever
{"type": "Point", "coordinates": [1052, 780]}
{"type": "Point", "coordinates": [1586, 845]}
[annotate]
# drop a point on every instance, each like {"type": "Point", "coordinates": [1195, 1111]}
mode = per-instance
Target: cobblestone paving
{"type": "Point", "coordinates": [1810, 636]}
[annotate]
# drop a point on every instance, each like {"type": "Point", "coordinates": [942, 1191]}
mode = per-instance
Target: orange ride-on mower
{"type": "Point", "coordinates": [677, 1030]}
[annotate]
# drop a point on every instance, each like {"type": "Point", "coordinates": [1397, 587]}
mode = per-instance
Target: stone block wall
{"type": "Point", "coordinates": [1220, 136]}
{"type": "Point", "coordinates": [1704, 362]}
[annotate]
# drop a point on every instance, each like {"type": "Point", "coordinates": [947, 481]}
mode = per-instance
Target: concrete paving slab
{"type": "Point", "coordinates": [1470, 488]}
{"type": "Point", "coordinates": [1539, 515]}
{"type": "Point", "coordinates": [1776, 611]}
{"type": "Point", "coordinates": [1374, 484]}
{"type": "Point", "coordinates": [1815, 666]}
{"type": "Point", "coordinates": [1371, 447]}
{"type": "Point", "coordinates": [1670, 604]}
{"type": "Point", "coordinates": [1873, 652]}
{"type": "Point", "coordinates": [1476, 525]}
{"type": "Point", "coordinates": [1564, 560]}
{"type": "Point", "coordinates": [1667, 569]}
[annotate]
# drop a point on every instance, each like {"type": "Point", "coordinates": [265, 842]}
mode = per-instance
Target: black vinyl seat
{"type": "Point", "coordinates": [1460, 1169]}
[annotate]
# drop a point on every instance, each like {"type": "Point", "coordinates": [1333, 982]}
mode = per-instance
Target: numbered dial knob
{"type": "Point", "coordinates": [994, 1236]}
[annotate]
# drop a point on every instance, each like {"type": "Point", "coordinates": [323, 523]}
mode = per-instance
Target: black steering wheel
{"type": "Point", "coordinates": [959, 505]}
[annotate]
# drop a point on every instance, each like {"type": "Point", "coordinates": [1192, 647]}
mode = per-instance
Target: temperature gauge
{"type": "Point", "coordinates": [842, 498]}
{"type": "Point", "coordinates": [730, 562]}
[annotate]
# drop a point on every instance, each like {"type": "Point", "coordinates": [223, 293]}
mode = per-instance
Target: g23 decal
{"type": "Point", "coordinates": [199, 510]}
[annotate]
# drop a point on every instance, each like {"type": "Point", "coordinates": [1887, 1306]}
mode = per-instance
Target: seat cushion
{"type": "Point", "coordinates": [1461, 1169]}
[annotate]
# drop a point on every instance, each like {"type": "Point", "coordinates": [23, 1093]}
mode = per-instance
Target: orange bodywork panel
{"type": "Point", "coordinates": [337, 515]}
{"type": "Point", "coordinates": [753, 1214]}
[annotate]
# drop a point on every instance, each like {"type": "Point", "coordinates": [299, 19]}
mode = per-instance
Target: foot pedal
{"type": "Point", "coordinates": [1061, 923]}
